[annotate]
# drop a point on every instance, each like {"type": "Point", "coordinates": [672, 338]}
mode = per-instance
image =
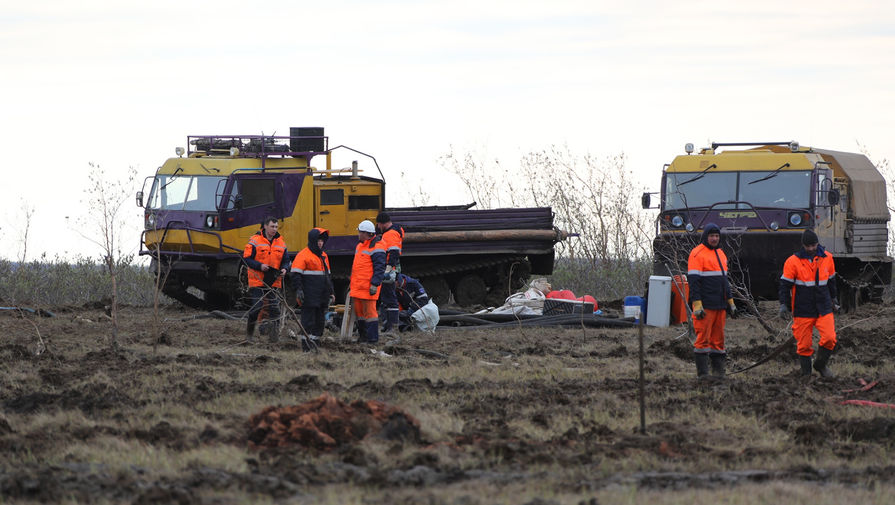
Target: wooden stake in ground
{"type": "Point", "coordinates": [347, 319]}
{"type": "Point", "coordinates": [642, 386]}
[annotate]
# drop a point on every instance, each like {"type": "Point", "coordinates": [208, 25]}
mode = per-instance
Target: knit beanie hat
{"type": "Point", "coordinates": [809, 238]}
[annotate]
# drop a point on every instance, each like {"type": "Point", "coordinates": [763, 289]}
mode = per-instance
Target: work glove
{"type": "Point", "coordinates": [299, 297]}
{"type": "Point", "coordinates": [731, 309]}
{"type": "Point", "coordinates": [836, 307]}
{"type": "Point", "coordinates": [332, 299]}
{"type": "Point", "coordinates": [784, 312]}
{"type": "Point", "coordinates": [373, 289]}
{"type": "Point", "coordinates": [698, 311]}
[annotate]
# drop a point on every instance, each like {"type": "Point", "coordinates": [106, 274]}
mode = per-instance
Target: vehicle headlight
{"type": "Point", "coordinates": [209, 221]}
{"type": "Point", "coordinates": [775, 226]}
{"type": "Point", "coordinates": [689, 227]}
{"type": "Point", "coordinates": [150, 221]}
{"type": "Point", "coordinates": [795, 219]}
{"type": "Point", "coordinates": [677, 221]}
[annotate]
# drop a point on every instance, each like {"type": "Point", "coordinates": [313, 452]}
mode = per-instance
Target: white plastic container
{"type": "Point", "coordinates": [632, 307]}
{"type": "Point", "coordinates": [658, 305]}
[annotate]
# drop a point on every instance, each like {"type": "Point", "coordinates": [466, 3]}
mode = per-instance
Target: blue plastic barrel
{"type": "Point", "coordinates": [634, 307]}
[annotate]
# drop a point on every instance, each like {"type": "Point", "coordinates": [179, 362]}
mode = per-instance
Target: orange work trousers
{"type": "Point", "coordinates": [710, 332]}
{"type": "Point", "coordinates": [802, 331]}
{"type": "Point", "coordinates": [365, 310]}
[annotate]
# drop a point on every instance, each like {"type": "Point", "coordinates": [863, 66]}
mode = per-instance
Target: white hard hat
{"type": "Point", "coordinates": [367, 226]}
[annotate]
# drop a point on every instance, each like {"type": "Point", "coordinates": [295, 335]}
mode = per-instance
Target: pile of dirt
{"type": "Point", "coordinates": [325, 423]}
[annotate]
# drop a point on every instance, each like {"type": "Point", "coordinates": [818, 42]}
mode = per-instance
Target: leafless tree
{"type": "Point", "coordinates": [24, 227]}
{"type": "Point", "coordinates": [103, 223]}
{"type": "Point", "coordinates": [592, 196]}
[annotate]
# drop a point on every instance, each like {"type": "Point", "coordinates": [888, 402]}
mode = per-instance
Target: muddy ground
{"type": "Point", "coordinates": [522, 415]}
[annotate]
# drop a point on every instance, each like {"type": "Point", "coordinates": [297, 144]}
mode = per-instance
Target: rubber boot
{"type": "Point", "coordinates": [805, 363]}
{"type": "Point", "coordinates": [273, 332]}
{"type": "Point", "coordinates": [820, 364]}
{"type": "Point", "coordinates": [250, 331]}
{"type": "Point", "coordinates": [373, 333]}
{"type": "Point", "coordinates": [310, 343]}
{"type": "Point", "coordinates": [391, 322]}
{"type": "Point", "coordinates": [718, 360]}
{"type": "Point", "coordinates": [362, 331]}
{"type": "Point", "coordinates": [702, 365]}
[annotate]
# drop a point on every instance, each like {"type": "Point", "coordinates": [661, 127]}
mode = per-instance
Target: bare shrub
{"type": "Point", "coordinates": [591, 196]}
{"type": "Point", "coordinates": [105, 220]}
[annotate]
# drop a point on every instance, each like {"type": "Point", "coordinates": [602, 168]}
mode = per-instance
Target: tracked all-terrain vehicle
{"type": "Point", "coordinates": [763, 198]}
{"type": "Point", "coordinates": [203, 206]}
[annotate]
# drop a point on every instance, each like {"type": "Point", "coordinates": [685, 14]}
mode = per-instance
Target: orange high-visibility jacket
{"type": "Point", "coordinates": [808, 285]}
{"type": "Point", "coordinates": [394, 242]}
{"type": "Point", "coordinates": [311, 271]}
{"type": "Point", "coordinates": [368, 268]}
{"type": "Point", "coordinates": [707, 276]}
{"type": "Point", "coordinates": [260, 251]}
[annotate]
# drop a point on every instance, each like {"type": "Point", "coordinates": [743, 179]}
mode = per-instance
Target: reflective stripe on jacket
{"type": "Point", "coordinates": [311, 276]}
{"type": "Point", "coordinates": [367, 269]}
{"type": "Point", "coordinates": [808, 285]}
{"type": "Point", "coordinates": [260, 251]}
{"type": "Point", "coordinates": [707, 277]}
{"type": "Point", "coordinates": [394, 242]}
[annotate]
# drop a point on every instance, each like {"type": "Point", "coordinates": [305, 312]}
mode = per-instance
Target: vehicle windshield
{"type": "Point", "coordinates": [682, 190]}
{"type": "Point", "coordinates": [184, 192]}
{"type": "Point", "coordinates": [784, 189]}
{"type": "Point", "coordinates": [790, 190]}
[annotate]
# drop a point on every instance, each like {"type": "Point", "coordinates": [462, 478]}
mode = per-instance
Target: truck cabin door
{"type": "Point", "coordinates": [827, 216]}
{"type": "Point", "coordinates": [252, 198]}
{"type": "Point", "coordinates": [342, 206]}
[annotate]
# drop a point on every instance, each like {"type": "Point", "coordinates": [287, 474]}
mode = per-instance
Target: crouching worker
{"type": "Point", "coordinates": [313, 284]}
{"type": "Point", "coordinates": [808, 290]}
{"type": "Point", "coordinates": [711, 301]}
{"type": "Point", "coordinates": [265, 255]}
{"type": "Point", "coordinates": [417, 309]}
{"type": "Point", "coordinates": [367, 273]}
{"type": "Point", "coordinates": [411, 295]}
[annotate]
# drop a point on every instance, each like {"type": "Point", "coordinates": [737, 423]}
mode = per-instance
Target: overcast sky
{"type": "Point", "coordinates": [121, 85]}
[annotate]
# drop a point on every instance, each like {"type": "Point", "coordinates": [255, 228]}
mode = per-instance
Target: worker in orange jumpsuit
{"type": "Point", "coordinates": [808, 293]}
{"type": "Point", "coordinates": [393, 238]}
{"type": "Point", "coordinates": [367, 273]}
{"type": "Point", "coordinates": [266, 258]}
{"type": "Point", "coordinates": [313, 284]}
{"type": "Point", "coordinates": [711, 301]}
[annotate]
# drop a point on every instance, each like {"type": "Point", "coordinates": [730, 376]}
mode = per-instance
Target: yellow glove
{"type": "Point", "coordinates": [731, 308]}
{"type": "Point", "coordinates": [698, 311]}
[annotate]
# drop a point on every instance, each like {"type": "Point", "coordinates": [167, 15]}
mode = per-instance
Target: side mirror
{"type": "Point", "coordinates": [139, 198]}
{"type": "Point", "coordinates": [833, 197]}
{"type": "Point", "coordinates": [237, 201]}
{"type": "Point", "coordinates": [645, 200]}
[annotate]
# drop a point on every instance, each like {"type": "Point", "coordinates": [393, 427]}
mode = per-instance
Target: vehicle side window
{"type": "Point", "coordinates": [256, 192]}
{"type": "Point", "coordinates": [363, 202]}
{"type": "Point", "coordinates": [332, 196]}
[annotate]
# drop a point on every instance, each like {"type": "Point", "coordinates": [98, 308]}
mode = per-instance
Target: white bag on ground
{"type": "Point", "coordinates": [426, 317]}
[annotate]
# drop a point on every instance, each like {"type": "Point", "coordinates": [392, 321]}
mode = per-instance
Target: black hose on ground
{"type": "Point", "coordinates": [589, 321]}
